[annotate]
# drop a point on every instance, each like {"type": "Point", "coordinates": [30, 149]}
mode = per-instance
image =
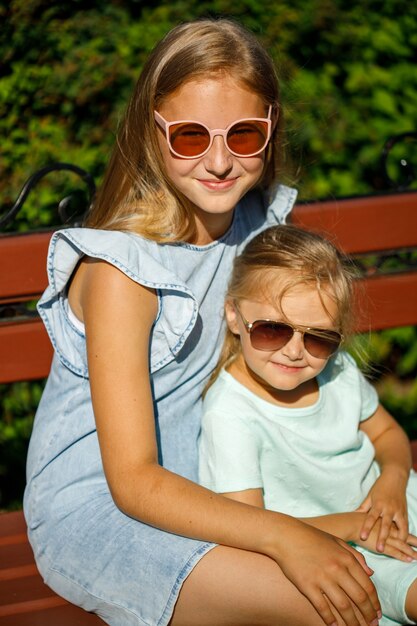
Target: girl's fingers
{"type": "Point", "coordinates": [322, 606]}
{"type": "Point", "coordinates": [369, 523]}
{"type": "Point", "coordinates": [357, 586]}
{"type": "Point", "coordinates": [366, 599]}
{"type": "Point", "coordinates": [392, 526]}
{"type": "Point", "coordinates": [353, 594]}
{"type": "Point", "coordinates": [344, 588]}
{"type": "Point", "coordinates": [384, 532]}
{"type": "Point", "coordinates": [412, 540]}
{"type": "Point", "coordinates": [398, 549]}
{"type": "Point", "coordinates": [401, 522]}
{"type": "Point", "coordinates": [360, 558]}
{"type": "Point", "coordinates": [336, 602]}
{"type": "Point", "coordinates": [394, 553]}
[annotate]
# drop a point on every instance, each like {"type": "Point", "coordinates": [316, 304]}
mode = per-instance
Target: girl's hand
{"type": "Point", "coordinates": [395, 546]}
{"type": "Point", "coordinates": [386, 500]}
{"type": "Point", "coordinates": [325, 569]}
{"type": "Point", "coordinates": [386, 505]}
{"type": "Point", "coordinates": [331, 574]}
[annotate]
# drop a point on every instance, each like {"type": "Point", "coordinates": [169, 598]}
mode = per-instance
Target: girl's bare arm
{"type": "Point", "coordinates": [346, 526]}
{"type": "Point", "coordinates": [386, 501]}
{"type": "Point", "coordinates": [118, 316]}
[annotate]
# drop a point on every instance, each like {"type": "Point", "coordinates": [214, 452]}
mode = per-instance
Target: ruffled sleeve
{"type": "Point", "coordinates": [280, 202]}
{"type": "Point", "coordinates": [258, 211]}
{"type": "Point", "coordinates": [141, 261]}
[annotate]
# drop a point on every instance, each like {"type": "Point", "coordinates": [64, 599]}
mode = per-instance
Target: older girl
{"type": "Point", "coordinates": [133, 308]}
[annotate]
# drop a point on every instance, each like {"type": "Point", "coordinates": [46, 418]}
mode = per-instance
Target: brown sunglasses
{"type": "Point", "coordinates": [270, 335]}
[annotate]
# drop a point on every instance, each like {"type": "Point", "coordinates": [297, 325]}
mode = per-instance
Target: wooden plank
{"type": "Point", "coordinates": [23, 264]}
{"type": "Point", "coordinates": [387, 301]}
{"type": "Point", "coordinates": [25, 600]}
{"type": "Point", "coordinates": [15, 555]}
{"type": "Point", "coordinates": [12, 523]}
{"type": "Point", "coordinates": [20, 571]}
{"type": "Point", "coordinates": [25, 351]}
{"type": "Point", "coordinates": [63, 615]}
{"type": "Point", "coordinates": [18, 592]}
{"type": "Point", "coordinates": [363, 224]}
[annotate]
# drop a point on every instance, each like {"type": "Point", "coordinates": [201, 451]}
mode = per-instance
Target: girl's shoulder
{"type": "Point", "coordinates": [230, 396]}
{"type": "Point", "coordinates": [342, 366]}
{"type": "Point", "coordinates": [257, 210]}
{"type": "Point", "coordinates": [343, 382]}
{"type": "Point", "coordinates": [139, 258]}
{"type": "Point", "coordinates": [342, 371]}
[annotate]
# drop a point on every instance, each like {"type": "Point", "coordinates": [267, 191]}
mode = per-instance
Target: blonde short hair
{"type": "Point", "coordinates": [279, 259]}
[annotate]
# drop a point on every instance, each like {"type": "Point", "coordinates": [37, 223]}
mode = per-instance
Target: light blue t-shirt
{"type": "Point", "coordinates": [300, 457]}
{"type": "Point", "coordinates": [309, 461]}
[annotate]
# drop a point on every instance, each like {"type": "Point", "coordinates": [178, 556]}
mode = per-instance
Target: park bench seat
{"type": "Point", "coordinates": [380, 225]}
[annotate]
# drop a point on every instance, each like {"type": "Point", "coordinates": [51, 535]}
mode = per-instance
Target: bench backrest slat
{"type": "Point", "coordinates": [363, 224]}
{"type": "Point", "coordinates": [387, 301]}
{"type": "Point", "coordinates": [23, 265]}
{"type": "Point", "coordinates": [357, 225]}
{"type": "Point", "coordinates": [25, 351]}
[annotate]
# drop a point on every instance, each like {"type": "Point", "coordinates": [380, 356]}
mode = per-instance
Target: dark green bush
{"type": "Point", "coordinates": [19, 402]}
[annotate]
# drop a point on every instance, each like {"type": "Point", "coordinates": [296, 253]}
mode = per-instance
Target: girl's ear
{"type": "Point", "coordinates": [231, 317]}
{"type": "Point", "coordinates": [274, 117]}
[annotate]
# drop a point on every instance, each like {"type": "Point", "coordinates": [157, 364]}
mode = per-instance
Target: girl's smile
{"type": "Point", "coordinates": [287, 368]}
{"type": "Point", "coordinates": [215, 182]}
{"type": "Point", "coordinates": [219, 185]}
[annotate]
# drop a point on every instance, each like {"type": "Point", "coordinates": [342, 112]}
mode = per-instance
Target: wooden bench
{"type": "Point", "coordinates": [382, 225]}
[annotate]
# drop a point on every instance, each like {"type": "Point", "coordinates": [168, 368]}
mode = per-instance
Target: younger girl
{"type": "Point", "coordinates": [290, 424]}
{"type": "Point", "coordinates": [116, 518]}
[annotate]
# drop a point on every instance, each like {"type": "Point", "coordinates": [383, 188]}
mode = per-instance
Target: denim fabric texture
{"type": "Point", "coordinates": [86, 548]}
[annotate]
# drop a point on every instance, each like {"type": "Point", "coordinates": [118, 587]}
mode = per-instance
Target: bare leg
{"type": "Point", "coordinates": [232, 587]}
{"type": "Point", "coordinates": [411, 602]}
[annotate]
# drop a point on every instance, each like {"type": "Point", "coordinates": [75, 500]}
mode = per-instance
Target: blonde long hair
{"type": "Point", "coordinates": [293, 257]}
{"type": "Point", "coordinates": [136, 193]}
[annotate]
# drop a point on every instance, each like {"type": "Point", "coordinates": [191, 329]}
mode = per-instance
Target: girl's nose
{"type": "Point", "coordinates": [218, 159]}
{"type": "Point", "coordinates": [294, 349]}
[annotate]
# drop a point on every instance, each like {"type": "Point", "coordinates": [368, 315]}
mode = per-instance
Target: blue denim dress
{"type": "Point", "coordinates": [87, 550]}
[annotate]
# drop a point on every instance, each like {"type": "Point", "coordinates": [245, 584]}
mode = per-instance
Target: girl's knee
{"type": "Point", "coordinates": [230, 586]}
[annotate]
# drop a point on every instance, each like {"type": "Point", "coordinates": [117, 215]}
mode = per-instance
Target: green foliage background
{"type": "Point", "coordinates": [349, 81]}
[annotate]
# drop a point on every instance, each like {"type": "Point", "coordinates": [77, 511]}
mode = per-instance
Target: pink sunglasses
{"type": "Point", "coordinates": [243, 138]}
